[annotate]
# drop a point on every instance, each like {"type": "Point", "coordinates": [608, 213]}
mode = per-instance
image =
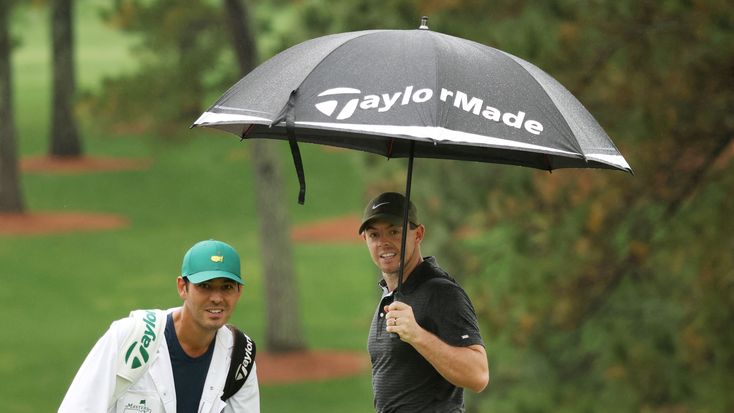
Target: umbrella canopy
{"type": "Point", "coordinates": [414, 93]}
{"type": "Point", "coordinates": [380, 90]}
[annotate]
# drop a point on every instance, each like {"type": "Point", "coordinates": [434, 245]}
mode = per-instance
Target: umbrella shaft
{"type": "Point", "coordinates": [404, 237]}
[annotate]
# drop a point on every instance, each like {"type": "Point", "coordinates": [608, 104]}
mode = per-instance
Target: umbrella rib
{"type": "Point", "coordinates": [332, 51]}
{"type": "Point", "coordinates": [283, 112]}
{"type": "Point", "coordinates": [246, 132]}
{"type": "Point", "coordinates": [555, 104]}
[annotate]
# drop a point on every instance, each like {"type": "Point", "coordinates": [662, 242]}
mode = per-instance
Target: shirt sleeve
{"type": "Point", "coordinates": [92, 387]}
{"type": "Point", "coordinates": [456, 320]}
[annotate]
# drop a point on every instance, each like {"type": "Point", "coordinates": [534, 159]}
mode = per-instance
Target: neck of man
{"type": "Point", "coordinates": [194, 341]}
{"type": "Point", "coordinates": [391, 279]}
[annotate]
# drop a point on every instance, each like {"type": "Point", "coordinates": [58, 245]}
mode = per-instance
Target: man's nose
{"type": "Point", "coordinates": [386, 239]}
{"type": "Point", "coordinates": [217, 296]}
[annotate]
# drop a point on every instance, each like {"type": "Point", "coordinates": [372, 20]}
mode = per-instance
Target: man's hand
{"type": "Point", "coordinates": [400, 320]}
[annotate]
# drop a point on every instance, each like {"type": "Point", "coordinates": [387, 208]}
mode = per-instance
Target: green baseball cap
{"type": "Point", "coordinates": [211, 259]}
{"type": "Point", "coordinates": [389, 207]}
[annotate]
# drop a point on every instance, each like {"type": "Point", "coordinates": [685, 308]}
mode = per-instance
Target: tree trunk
{"type": "Point", "coordinates": [64, 136]}
{"type": "Point", "coordinates": [284, 331]}
{"type": "Point", "coordinates": [11, 199]}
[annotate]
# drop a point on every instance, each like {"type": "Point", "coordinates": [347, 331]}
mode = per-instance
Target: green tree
{"type": "Point", "coordinates": [11, 198]}
{"type": "Point", "coordinates": [183, 53]}
{"type": "Point", "coordinates": [600, 291]}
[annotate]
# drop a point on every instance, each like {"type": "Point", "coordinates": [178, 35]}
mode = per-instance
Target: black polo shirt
{"type": "Point", "coordinates": [402, 380]}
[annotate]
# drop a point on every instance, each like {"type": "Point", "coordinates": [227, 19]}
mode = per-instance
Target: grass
{"type": "Point", "coordinates": [61, 291]}
{"type": "Point", "coordinates": [353, 395]}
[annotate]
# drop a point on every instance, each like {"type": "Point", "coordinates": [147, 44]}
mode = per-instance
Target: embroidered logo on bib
{"type": "Point", "coordinates": [139, 407]}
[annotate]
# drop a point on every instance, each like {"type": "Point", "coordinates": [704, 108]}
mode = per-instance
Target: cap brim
{"type": "Point", "coordinates": [385, 217]}
{"type": "Point", "coordinates": [202, 276]}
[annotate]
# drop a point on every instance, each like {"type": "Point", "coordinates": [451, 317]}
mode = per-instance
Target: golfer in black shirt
{"type": "Point", "coordinates": [436, 349]}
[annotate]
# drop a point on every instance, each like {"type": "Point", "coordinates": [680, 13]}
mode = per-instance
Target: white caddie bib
{"type": "Point", "coordinates": [139, 348]}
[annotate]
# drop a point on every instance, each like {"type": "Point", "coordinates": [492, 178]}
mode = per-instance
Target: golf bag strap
{"type": "Point", "coordinates": [243, 358]}
{"type": "Point", "coordinates": [290, 126]}
{"type": "Point", "coordinates": [139, 349]}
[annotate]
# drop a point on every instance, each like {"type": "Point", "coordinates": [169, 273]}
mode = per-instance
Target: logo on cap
{"type": "Point", "coordinates": [217, 258]}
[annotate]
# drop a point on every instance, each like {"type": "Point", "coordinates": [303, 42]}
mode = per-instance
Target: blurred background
{"type": "Point", "coordinates": [596, 291]}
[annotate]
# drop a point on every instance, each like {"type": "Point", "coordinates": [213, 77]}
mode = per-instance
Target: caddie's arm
{"type": "Point", "coordinates": [92, 387]}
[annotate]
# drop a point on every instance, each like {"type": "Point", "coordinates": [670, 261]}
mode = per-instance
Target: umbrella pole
{"type": "Point", "coordinates": [408, 182]}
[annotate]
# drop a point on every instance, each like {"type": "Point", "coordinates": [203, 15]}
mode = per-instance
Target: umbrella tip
{"type": "Point", "coordinates": [424, 23]}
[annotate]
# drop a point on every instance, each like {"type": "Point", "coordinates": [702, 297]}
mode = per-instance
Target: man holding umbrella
{"type": "Point", "coordinates": [424, 344]}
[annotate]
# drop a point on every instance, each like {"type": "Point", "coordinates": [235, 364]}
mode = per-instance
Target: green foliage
{"type": "Point", "coordinates": [599, 291]}
{"type": "Point", "coordinates": [596, 291]}
{"type": "Point", "coordinates": [183, 53]}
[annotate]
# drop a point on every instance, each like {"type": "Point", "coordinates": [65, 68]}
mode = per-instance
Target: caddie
{"type": "Point", "coordinates": [184, 359]}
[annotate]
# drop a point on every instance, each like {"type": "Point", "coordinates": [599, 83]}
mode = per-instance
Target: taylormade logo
{"type": "Point", "coordinates": [242, 368]}
{"type": "Point", "coordinates": [137, 354]}
{"type": "Point", "coordinates": [386, 101]}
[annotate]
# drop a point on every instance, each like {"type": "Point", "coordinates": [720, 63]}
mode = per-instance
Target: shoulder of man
{"type": "Point", "coordinates": [435, 273]}
{"type": "Point", "coordinates": [143, 332]}
{"type": "Point", "coordinates": [144, 337]}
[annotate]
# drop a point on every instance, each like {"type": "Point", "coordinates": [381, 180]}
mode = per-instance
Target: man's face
{"type": "Point", "coordinates": [383, 241]}
{"type": "Point", "coordinates": [210, 303]}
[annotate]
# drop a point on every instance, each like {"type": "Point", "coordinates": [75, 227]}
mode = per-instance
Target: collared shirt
{"type": "Point", "coordinates": [402, 380]}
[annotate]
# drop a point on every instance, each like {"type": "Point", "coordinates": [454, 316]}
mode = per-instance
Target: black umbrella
{"type": "Point", "coordinates": [414, 93]}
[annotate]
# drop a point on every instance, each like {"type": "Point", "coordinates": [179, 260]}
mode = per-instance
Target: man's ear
{"type": "Point", "coordinates": [183, 287]}
{"type": "Point", "coordinates": [420, 232]}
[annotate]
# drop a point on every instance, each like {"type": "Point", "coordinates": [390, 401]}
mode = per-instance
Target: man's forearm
{"type": "Point", "coordinates": [461, 366]}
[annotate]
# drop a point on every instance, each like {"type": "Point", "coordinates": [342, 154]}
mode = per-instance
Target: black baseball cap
{"type": "Point", "coordinates": [388, 206]}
